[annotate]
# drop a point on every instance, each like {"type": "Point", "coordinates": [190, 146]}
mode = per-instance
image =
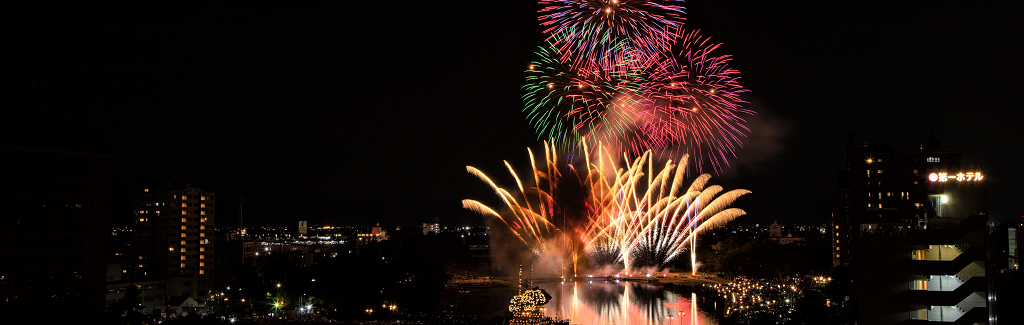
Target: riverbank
{"type": "Point", "coordinates": [687, 282]}
{"type": "Point", "coordinates": [683, 281]}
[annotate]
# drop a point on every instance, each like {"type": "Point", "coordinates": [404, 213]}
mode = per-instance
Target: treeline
{"type": "Point", "coordinates": [765, 258]}
{"type": "Point", "coordinates": [409, 273]}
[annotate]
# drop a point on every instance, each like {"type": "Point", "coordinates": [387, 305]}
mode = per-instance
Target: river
{"type": "Point", "coordinates": [604, 302]}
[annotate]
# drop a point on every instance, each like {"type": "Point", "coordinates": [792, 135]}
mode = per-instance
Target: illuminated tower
{"type": "Point", "coordinates": [174, 236]}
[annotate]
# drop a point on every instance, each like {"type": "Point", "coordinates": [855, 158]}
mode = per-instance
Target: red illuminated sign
{"type": "Point", "coordinates": [959, 177]}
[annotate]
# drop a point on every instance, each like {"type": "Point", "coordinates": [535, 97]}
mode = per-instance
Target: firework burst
{"type": "Point", "coordinates": [569, 105]}
{"type": "Point", "coordinates": [685, 102]}
{"type": "Point", "coordinates": [592, 28]}
{"type": "Point", "coordinates": [608, 214]}
{"type": "Point", "coordinates": [695, 104]}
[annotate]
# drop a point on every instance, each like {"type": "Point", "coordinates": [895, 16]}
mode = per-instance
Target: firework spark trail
{"type": "Point", "coordinates": [628, 216]}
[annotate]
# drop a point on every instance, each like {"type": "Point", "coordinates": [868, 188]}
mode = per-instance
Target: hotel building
{"type": "Point", "coordinates": [910, 228]}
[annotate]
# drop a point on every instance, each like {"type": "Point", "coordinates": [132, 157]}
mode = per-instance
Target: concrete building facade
{"type": "Point", "coordinates": [173, 236]}
{"type": "Point", "coordinates": [53, 221]}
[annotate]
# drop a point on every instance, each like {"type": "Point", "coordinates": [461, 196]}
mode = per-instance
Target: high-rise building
{"type": "Point", "coordinates": [174, 236]}
{"type": "Point", "coordinates": [1007, 276]}
{"type": "Point", "coordinates": [909, 226]}
{"type": "Point", "coordinates": [53, 222]}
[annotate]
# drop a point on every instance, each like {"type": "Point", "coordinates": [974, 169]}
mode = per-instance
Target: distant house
{"type": "Point", "coordinates": [775, 234]}
{"type": "Point", "coordinates": [184, 306]}
{"type": "Point", "coordinates": [376, 234]}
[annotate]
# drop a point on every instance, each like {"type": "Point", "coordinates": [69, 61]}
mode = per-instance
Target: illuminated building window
{"type": "Point", "coordinates": [919, 285]}
{"type": "Point", "coordinates": [182, 227]}
{"type": "Point", "coordinates": [171, 248]}
{"type": "Point", "coordinates": [869, 172]}
{"type": "Point", "coordinates": [202, 249]}
{"type": "Point", "coordinates": [183, 204]}
{"type": "Point", "coordinates": [920, 314]}
{"type": "Point", "coordinates": [201, 272]}
{"type": "Point", "coordinates": [879, 171]}
{"type": "Point", "coordinates": [140, 265]}
{"type": "Point", "coordinates": [917, 255]}
{"type": "Point", "coordinates": [202, 227]}
{"type": "Point", "coordinates": [183, 265]}
{"type": "Point", "coordinates": [932, 159]}
{"type": "Point", "coordinates": [879, 206]}
{"type": "Point", "coordinates": [869, 205]}
{"type": "Point", "coordinates": [202, 205]}
{"type": "Point", "coordinates": [201, 264]}
{"type": "Point", "coordinates": [202, 220]}
{"type": "Point", "coordinates": [183, 258]}
{"type": "Point", "coordinates": [837, 226]}
{"type": "Point", "coordinates": [146, 190]}
{"type": "Point", "coordinates": [837, 255]}
{"type": "Point", "coordinates": [202, 198]}
{"type": "Point", "coordinates": [202, 234]}
{"type": "Point", "coordinates": [182, 219]}
{"type": "Point", "coordinates": [182, 212]}
{"type": "Point", "coordinates": [183, 243]}
{"type": "Point", "coordinates": [202, 257]}
{"type": "Point", "coordinates": [202, 213]}
{"type": "Point", "coordinates": [183, 235]}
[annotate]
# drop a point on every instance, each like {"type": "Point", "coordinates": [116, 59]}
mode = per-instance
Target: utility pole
{"type": "Point", "coordinates": [241, 222]}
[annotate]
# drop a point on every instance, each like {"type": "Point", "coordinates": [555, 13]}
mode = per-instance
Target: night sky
{"type": "Point", "coordinates": [369, 111]}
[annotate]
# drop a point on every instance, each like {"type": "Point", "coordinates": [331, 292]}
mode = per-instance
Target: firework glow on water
{"type": "Point", "coordinates": [634, 216]}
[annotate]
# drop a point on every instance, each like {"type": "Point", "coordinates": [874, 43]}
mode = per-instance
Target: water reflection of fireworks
{"type": "Point", "coordinates": [603, 302]}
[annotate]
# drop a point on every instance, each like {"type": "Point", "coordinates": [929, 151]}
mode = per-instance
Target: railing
{"type": "Point", "coordinates": [962, 245]}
